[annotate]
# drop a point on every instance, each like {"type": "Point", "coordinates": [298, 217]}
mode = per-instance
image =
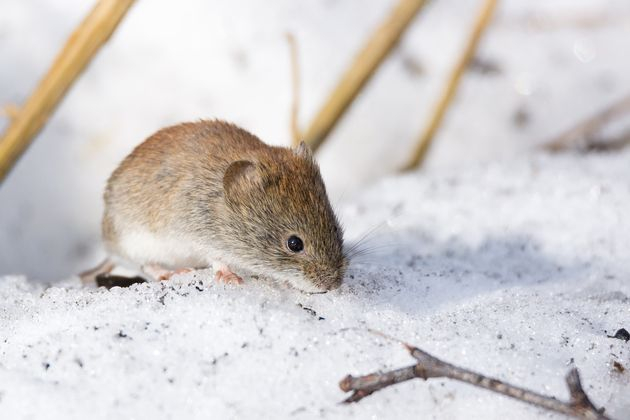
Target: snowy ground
{"type": "Point", "coordinates": [516, 270]}
{"type": "Point", "coordinates": [497, 258]}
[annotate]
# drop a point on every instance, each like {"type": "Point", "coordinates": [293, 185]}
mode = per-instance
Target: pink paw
{"type": "Point", "coordinates": [227, 277]}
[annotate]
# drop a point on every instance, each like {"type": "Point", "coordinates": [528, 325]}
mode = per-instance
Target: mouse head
{"type": "Point", "coordinates": [282, 219]}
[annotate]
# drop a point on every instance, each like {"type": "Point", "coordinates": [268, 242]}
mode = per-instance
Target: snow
{"type": "Point", "coordinates": [497, 258]}
{"type": "Point", "coordinates": [516, 270]}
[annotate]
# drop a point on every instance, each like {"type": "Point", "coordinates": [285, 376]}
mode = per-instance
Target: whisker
{"type": "Point", "coordinates": [358, 248]}
{"type": "Point", "coordinates": [365, 236]}
{"type": "Point", "coordinates": [360, 254]}
{"type": "Point", "coordinates": [368, 250]}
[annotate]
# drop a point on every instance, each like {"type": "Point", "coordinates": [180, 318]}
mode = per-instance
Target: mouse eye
{"type": "Point", "coordinates": [295, 244]}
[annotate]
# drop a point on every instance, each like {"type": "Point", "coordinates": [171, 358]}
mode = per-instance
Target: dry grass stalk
{"type": "Point", "coordinates": [364, 66]}
{"type": "Point", "coordinates": [584, 135]}
{"type": "Point", "coordinates": [82, 45]}
{"type": "Point", "coordinates": [424, 142]}
{"type": "Point", "coordinates": [295, 86]}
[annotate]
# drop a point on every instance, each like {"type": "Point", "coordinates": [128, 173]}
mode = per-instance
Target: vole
{"type": "Point", "coordinates": [210, 194]}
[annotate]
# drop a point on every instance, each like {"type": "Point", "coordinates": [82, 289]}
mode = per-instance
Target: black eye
{"type": "Point", "coordinates": [295, 244]}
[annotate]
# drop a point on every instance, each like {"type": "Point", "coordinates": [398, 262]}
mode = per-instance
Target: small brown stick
{"type": "Point", "coordinates": [380, 44]}
{"type": "Point", "coordinates": [295, 85]}
{"type": "Point", "coordinates": [82, 45]}
{"type": "Point", "coordinates": [583, 135]}
{"type": "Point", "coordinates": [429, 366]}
{"type": "Point", "coordinates": [425, 139]}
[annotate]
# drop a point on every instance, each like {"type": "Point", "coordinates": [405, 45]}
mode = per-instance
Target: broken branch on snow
{"type": "Point", "coordinates": [429, 366]}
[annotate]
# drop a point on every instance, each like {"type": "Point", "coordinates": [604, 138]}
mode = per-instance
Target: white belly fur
{"type": "Point", "coordinates": [144, 247]}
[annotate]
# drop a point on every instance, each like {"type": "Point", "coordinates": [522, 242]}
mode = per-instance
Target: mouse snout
{"type": "Point", "coordinates": [328, 278]}
{"type": "Point", "coordinates": [333, 282]}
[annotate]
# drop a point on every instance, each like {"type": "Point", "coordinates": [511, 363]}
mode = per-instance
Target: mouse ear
{"type": "Point", "coordinates": [240, 178]}
{"type": "Point", "coordinates": [303, 151]}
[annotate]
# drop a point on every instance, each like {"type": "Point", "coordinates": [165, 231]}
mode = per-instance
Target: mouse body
{"type": "Point", "coordinates": [210, 194]}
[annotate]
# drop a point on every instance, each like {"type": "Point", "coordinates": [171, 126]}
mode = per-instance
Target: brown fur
{"type": "Point", "coordinates": [223, 186]}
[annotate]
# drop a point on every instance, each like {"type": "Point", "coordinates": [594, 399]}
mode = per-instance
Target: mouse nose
{"type": "Point", "coordinates": [327, 274]}
{"type": "Point", "coordinates": [333, 286]}
{"type": "Point", "coordinates": [334, 278]}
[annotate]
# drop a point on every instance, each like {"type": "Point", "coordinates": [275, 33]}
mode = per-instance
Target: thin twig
{"type": "Point", "coordinates": [584, 135]}
{"type": "Point", "coordinates": [429, 366]}
{"type": "Point", "coordinates": [380, 44]}
{"type": "Point", "coordinates": [82, 45]}
{"type": "Point", "coordinates": [295, 86]}
{"type": "Point", "coordinates": [425, 139]}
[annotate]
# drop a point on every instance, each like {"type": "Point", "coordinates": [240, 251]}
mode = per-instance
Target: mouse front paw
{"type": "Point", "coordinates": [223, 274]}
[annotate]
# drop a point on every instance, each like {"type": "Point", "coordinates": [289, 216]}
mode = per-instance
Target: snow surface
{"type": "Point", "coordinates": [499, 259]}
{"type": "Point", "coordinates": [517, 270]}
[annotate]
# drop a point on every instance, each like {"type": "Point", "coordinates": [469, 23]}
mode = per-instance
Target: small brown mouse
{"type": "Point", "coordinates": [210, 194]}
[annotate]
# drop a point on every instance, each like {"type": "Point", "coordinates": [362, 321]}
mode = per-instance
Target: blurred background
{"type": "Point", "coordinates": [541, 68]}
